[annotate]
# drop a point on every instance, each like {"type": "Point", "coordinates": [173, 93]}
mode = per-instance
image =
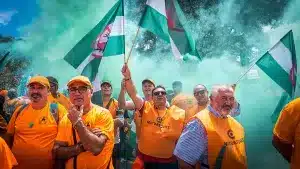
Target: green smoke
{"type": "Point", "coordinates": [222, 38]}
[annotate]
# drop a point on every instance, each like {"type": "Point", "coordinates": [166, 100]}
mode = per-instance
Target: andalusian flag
{"type": "Point", "coordinates": [106, 39]}
{"type": "Point", "coordinates": [164, 18]}
{"type": "Point", "coordinates": [280, 63]}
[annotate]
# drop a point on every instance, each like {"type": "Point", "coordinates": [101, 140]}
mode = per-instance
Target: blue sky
{"type": "Point", "coordinates": [15, 14]}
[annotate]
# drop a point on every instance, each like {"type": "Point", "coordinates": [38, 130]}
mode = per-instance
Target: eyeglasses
{"type": "Point", "coordinates": [199, 92]}
{"type": "Point", "coordinates": [81, 89]}
{"type": "Point", "coordinates": [163, 93]}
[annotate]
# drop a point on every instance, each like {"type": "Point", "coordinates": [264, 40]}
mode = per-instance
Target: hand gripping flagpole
{"type": "Point", "coordinates": [133, 43]}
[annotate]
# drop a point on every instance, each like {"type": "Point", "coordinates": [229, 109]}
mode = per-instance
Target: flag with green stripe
{"type": "Point", "coordinates": [106, 39]}
{"type": "Point", "coordinates": [280, 63]}
{"type": "Point", "coordinates": [165, 19]}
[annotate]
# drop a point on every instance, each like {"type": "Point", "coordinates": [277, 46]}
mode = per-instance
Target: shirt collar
{"type": "Point", "coordinates": [213, 111]}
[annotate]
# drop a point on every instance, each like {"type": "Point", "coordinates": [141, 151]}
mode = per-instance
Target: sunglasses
{"type": "Point", "coordinates": [199, 92]}
{"type": "Point", "coordinates": [163, 93]}
{"type": "Point", "coordinates": [80, 89]}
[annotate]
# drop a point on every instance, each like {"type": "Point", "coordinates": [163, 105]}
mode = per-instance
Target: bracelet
{"type": "Point", "coordinates": [76, 122]}
{"type": "Point", "coordinates": [127, 79]}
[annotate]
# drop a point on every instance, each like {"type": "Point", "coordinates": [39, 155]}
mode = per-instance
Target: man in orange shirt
{"type": "Point", "coordinates": [181, 100]}
{"type": "Point", "coordinates": [7, 159]}
{"type": "Point", "coordinates": [111, 104]}
{"type": "Point", "coordinates": [85, 136]}
{"type": "Point", "coordinates": [33, 128]}
{"type": "Point", "coordinates": [286, 138]}
{"type": "Point", "coordinates": [55, 96]}
{"type": "Point", "coordinates": [160, 126]}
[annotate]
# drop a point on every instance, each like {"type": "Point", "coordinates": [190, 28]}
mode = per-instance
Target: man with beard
{"type": "Point", "coordinates": [213, 138]}
{"type": "Point", "coordinates": [33, 128]}
{"type": "Point", "coordinates": [85, 136]}
{"type": "Point", "coordinates": [111, 104]}
{"type": "Point", "coordinates": [201, 95]}
{"type": "Point", "coordinates": [160, 126]}
{"type": "Point", "coordinates": [55, 96]}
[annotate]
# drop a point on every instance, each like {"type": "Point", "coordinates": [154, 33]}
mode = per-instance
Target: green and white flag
{"type": "Point", "coordinates": [165, 19]}
{"type": "Point", "coordinates": [106, 39]}
{"type": "Point", "coordinates": [280, 63]}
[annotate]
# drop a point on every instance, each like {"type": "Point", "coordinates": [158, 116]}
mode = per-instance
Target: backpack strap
{"type": "Point", "coordinates": [109, 103]}
{"type": "Point", "coordinates": [75, 142]}
{"type": "Point", "coordinates": [54, 112]}
{"type": "Point", "coordinates": [19, 110]}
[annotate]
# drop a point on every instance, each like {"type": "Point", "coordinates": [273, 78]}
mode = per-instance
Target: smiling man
{"type": "Point", "coordinates": [160, 126]}
{"type": "Point", "coordinates": [33, 128]}
{"type": "Point", "coordinates": [85, 136]}
{"type": "Point", "coordinates": [213, 138]}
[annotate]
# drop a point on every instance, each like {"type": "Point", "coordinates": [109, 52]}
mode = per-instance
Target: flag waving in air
{"type": "Point", "coordinates": [106, 39]}
{"type": "Point", "coordinates": [165, 19]}
{"type": "Point", "coordinates": [280, 63]}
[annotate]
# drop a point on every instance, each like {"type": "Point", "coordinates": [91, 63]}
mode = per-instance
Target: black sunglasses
{"type": "Point", "coordinates": [199, 92]}
{"type": "Point", "coordinates": [163, 93]}
{"type": "Point", "coordinates": [81, 89]}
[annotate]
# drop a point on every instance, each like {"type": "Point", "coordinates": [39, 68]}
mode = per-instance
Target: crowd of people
{"type": "Point", "coordinates": [48, 130]}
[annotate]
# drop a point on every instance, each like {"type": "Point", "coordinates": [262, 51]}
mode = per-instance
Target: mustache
{"type": "Point", "coordinates": [36, 95]}
{"type": "Point", "coordinates": [227, 106]}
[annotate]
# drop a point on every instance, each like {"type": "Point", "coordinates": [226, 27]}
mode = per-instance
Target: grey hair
{"type": "Point", "coordinates": [216, 89]}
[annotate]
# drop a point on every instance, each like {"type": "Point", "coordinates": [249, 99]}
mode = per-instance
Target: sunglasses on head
{"type": "Point", "coordinates": [199, 92]}
{"type": "Point", "coordinates": [80, 89]}
{"type": "Point", "coordinates": [163, 93]}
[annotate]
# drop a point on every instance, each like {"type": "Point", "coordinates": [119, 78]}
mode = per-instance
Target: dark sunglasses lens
{"type": "Point", "coordinates": [158, 93]}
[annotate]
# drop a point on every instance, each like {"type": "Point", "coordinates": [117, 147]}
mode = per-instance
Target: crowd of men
{"type": "Point", "coordinates": [48, 130]}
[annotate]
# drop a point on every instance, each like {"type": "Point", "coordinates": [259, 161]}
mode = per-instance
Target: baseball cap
{"type": "Point", "coordinates": [81, 79]}
{"type": "Point", "coordinates": [105, 82]}
{"type": "Point", "coordinates": [148, 80]}
{"type": "Point", "coordinates": [39, 79]}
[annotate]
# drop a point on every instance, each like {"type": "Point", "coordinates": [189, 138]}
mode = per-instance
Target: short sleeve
{"type": "Point", "coordinates": [11, 125]}
{"type": "Point", "coordinates": [105, 123]}
{"type": "Point", "coordinates": [192, 143]}
{"type": "Point", "coordinates": [287, 122]}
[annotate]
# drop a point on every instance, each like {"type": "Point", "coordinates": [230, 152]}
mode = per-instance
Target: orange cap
{"type": "Point", "coordinates": [81, 79]}
{"type": "Point", "coordinates": [3, 93]}
{"type": "Point", "coordinates": [39, 79]}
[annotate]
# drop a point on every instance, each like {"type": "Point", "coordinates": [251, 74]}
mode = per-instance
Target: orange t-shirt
{"type": "Point", "coordinates": [160, 130]}
{"type": "Point", "coordinates": [97, 117]}
{"type": "Point", "coordinates": [7, 159]}
{"type": "Point", "coordinates": [62, 99]}
{"type": "Point", "coordinates": [113, 107]}
{"type": "Point", "coordinates": [34, 133]}
{"type": "Point", "coordinates": [287, 129]}
{"type": "Point", "coordinates": [184, 101]}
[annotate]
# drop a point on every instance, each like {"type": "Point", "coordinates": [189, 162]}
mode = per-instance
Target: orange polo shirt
{"type": "Point", "coordinates": [97, 117]}
{"type": "Point", "coordinates": [34, 133]}
{"type": "Point", "coordinates": [287, 129]}
{"type": "Point", "coordinates": [7, 159]}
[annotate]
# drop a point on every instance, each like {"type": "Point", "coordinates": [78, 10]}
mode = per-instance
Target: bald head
{"type": "Point", "coordinates": [222, 98]}
{"type": "Point", "coordinates": [201, 94]}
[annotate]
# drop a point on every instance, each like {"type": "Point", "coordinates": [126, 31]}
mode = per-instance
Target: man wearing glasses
{"type": "Point", "coordinates": [33, 128]}
{"type": "Point", "coordinates": [160, 127]}
{"type": "Point", "coordinates": [85, 136]}
{"type": "Point", "coordinates": [201, 95]}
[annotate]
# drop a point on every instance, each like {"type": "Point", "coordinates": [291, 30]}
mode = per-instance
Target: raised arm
{"type": "Point", "coordinates": [137, 100]}
{"type": "Point", "coordinates": [123, 104]}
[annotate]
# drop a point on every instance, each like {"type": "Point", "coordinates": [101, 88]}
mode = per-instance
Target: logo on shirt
{"type": "Point", "coordinates": [43, 120]}
{"type": "Point", "coordinates": [230, 134]}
